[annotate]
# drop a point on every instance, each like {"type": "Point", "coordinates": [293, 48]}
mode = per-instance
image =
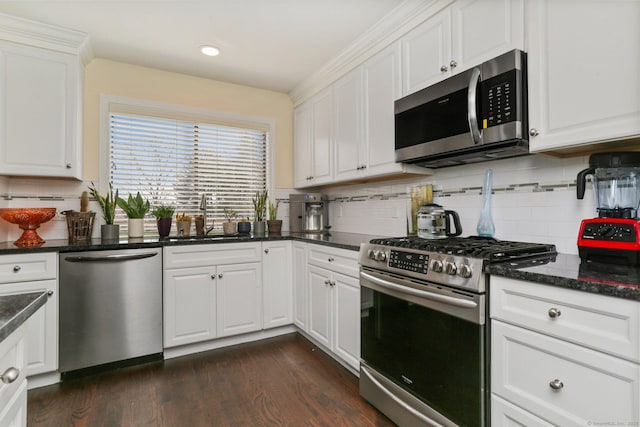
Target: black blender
{"type": "Point", "coordinates": [614, 236]}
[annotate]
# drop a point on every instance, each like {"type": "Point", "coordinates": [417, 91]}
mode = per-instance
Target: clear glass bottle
{"type": "Point", "coordinates": [485, 227]}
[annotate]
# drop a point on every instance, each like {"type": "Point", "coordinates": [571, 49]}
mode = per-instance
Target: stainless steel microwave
{"type": "Point", "coordinates": [477, 115]}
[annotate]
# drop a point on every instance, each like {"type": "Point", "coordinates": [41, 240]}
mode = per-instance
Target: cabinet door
{"type": "Point", "coordinates": [14, 414]}
{"type": "Point", "coordinates": [189, 296]}
{"type": "Point", "coordinates": [347, 116]}
{"type": "Point", "coordinates": [346, 301]}
{"type": "Point", "coordinates": [426, 52]}
{"type": "Point", "coordinates": [39, 106]}
{"type": "Point", "coordinates": [300, 288]}
{"type": "Point", "coordinates": [277, 290]}
{"type": "Point", "coordinates": [320, 305]}
{"type": "Point", "coordinates": [239, 298]}
{"type": "Point", "coordinates": [303, 140]}
{"type": "Point", "coordinates": [583, 64]}
{"type": "Point", "coordinates": [482, 30]}
{"type": "Point", "coordinates": [505, 414]}
{"type": "Point", "coordinates": [322, 138]}
{"type": "Point", "coordinates": [382, 86]}
{"type": "Point", "coordinates": [42, 326]}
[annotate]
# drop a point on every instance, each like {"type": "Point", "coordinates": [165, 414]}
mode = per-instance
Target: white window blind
{"type": "Point", "coordinates": [175, 162]}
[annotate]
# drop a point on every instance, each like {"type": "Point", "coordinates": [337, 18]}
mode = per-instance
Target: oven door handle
{"type": "Point", "coordinates": [458, 302]}
{"type": "Point", "coordinates": [396, 399]}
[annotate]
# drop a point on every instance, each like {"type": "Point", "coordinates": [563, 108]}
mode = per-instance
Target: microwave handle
{"type": "Point", "coordinates": [472, 101]}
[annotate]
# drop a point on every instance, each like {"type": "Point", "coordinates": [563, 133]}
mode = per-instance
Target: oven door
{"type": "Point", "coordinates": [423, 351]}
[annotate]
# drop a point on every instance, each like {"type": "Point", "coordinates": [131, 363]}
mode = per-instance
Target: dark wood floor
{"type": "Point", "coordinates": [282, 381]}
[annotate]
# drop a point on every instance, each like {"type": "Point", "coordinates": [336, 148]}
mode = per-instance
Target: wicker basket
{"type": "Point", "coordinates": [80, 225]}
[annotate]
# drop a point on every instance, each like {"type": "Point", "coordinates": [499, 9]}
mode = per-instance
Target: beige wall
{"type": "Point", "coordinates": [120, 79]}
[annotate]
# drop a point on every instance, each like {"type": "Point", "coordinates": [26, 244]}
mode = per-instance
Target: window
{"type": "Point", "coordinates": [175, 162]}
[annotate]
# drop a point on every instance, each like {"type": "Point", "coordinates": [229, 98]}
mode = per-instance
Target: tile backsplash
{"type": "Point", "coordinates": [533, 200]}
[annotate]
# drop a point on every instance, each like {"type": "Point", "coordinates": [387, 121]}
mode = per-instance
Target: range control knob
{"type": "Point", "coordinates": [436, 266]}
{"type": "Point", "coordinates": [371, 254]}
{"type": "Point", "coordinates": [450, 268]}
{"type": "Point", "coordinates": [465, 271]}
{"type": "Point", "coordinates": [381, 256]}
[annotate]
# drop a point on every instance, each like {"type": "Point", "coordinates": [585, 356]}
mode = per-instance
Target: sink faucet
{"type": "Point", "coordinates": [203, 207]}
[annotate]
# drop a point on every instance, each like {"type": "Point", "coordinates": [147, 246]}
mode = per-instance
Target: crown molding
{"type": "Point", "coordinates": [398, 22]}
{"type": "Point", "coordinates": [24, 31]}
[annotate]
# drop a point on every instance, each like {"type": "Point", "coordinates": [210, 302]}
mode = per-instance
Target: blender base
{"type": "Point", "coordinates": [609, 256]}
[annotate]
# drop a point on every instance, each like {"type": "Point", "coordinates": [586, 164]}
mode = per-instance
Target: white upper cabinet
{"type": "Point", "coordinates": [461, 36]}
{"type": "Point", "coordinates": [313, 145]}
{"type": "Point", "coordinates": [347, 116]}
{"type": "Point", "coordinates": [41, 86]}
{"type": "Point", "coordinates": [583, 63]}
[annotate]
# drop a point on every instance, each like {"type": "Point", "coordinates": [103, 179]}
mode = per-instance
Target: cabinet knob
{"type": "Point", "coordinates": [50, 293]}
{"type": "Point", "coordinates": [534, 132]}
{"type": "Point", "coordinates": [332, 283]}
{"type": "Point", "coordinates": [326, 282]}
{"type": "Point", "coordinates": [331, 259]}
{"type": "Point", "coordinates": [17, 268]}
{"type": "Point", "coordinates": [220, 276]}
{"type": "Point", "coordinates": [213, 276]}
{"type": "Point", "coordinates": [554, 312]}
{"type": "Point", "coordinates": [10, 375]}
{"type": "Point", "coordinates": [444, 68]}
{"type": "Point", "coordinates": [68, 165]}
{"type": "Point", "coordinates": [266, 251]}
{"type": "Point", "coordinates": [453, 64]}
{"type": "Point", "coordinates": [556, 384]}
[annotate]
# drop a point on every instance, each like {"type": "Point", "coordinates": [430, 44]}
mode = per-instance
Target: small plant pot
{"type": "Point", "coordinates": [164, 226]}
{"type": "Point", "coordinates": [184, 228]}
{"type": "Point", "coordinates": [259, 228]}
{"type": "Point", "coordinates": [275, 226]}
{"type": "Point", "coordinates": [135, 227]}
{"type": "Point", "coordinates": [110, 231]}
{"type": "Point", "coordinates": [244, 227]}
{"type": "Point", "coordinates": [229, 228]}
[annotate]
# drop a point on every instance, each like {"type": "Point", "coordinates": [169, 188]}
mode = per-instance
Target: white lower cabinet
{"type": "Point", "coordinates": [277, 284]}
{"type": "Point", "coordinates": [334, 303]}
{"type": "Point", "coordinates": [544, 363]}
{"type": "Point", "coordinates": [215, 291]}
{"type": "Point", "coordinates": [13, 394]}
{"type": "Point", "coordinates": [35, 273]}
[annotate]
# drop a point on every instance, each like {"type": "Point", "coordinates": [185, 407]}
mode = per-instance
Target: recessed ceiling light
{"type": "Point", "coordinates": [210, 50]}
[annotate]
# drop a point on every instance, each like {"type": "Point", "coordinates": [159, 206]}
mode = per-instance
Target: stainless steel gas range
{"type": "Point", "coordinates": [423, 325]}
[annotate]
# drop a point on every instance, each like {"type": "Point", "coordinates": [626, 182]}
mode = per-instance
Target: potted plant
{"type": "Point", "coordinates": [229, 227]}
{"type": "Point", "coordinates": [135, 208]}
{"type": "Point", "coordinates": [183, 222]}
{"type": "Point", "coordinates": [164, 216]}
{"type": "Point", "coordinates": [244, 226]}
{"type": "Point", "coordinates": [273, 223]}
{"type": "Point", "coordinates": [259, 212]}
{"type": "Point", "coordinates": [108, 203]}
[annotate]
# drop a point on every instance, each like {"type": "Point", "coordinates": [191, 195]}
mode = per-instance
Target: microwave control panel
{"type": "Point", "coordinates": [499, 100]}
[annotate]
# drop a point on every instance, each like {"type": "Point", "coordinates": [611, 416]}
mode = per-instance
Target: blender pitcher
{"type": "Point", "coordinates": [615, 183]}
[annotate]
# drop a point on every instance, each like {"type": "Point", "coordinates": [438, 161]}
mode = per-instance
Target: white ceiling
{"type": "Point", "coordinates": [269, 44]}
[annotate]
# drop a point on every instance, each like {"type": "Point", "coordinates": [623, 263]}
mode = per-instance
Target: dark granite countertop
{"type": "Point", "coordinates": [16, 309]}
{"type": "Point", "coordinates": [567, 271]}
{"type": "Point", "coordinates": [350, 241]}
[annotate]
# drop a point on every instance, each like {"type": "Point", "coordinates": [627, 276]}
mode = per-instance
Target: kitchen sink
{"type": "Point", "coordinates": [215, 237]}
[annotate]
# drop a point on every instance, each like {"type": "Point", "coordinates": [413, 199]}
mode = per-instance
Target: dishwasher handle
{"type": "Point", "coordinates": [110, 258]}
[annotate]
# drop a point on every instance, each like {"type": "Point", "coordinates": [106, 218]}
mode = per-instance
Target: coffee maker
{"type": "Point", "coordinates": [614, 236]}
{"type": "Point", "coordinates": [308, 213]}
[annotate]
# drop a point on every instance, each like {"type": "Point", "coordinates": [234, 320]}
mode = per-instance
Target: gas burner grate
{"type": "Point", "coordinates": [473, 246]}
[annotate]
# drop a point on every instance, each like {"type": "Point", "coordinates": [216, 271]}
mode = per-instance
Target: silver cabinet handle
{"type": "Point", "coordinates": [220, 276]}
{"type": "Point", "coordinates": [17, 268]}
{"type": "Point", "coordinates": [554, 312]}
{"type": "Point", "coordinates": [453, 64]}
{"type": "Point", "coordinates": [326, 282]}
{"type": "Point", "coordinates": [444, 68]}
{"type": "Point", "coordinates": [556, 384]}
{"type": "Point", "coordinates": [50, 293]}
{"type": "Point", "coordinates": [110, 258]}
{"type": "Point", "coordinates": [332, 283]}
{"type": "Point", "coordinates": [10, 375]}
{"type": "Point", "coordinates": [266, 251]}
{"type": "Point", "coordinates": [213, 276]}
{"type": "Point", "coordinates": [534, 132]}
{"type": "Point", "coordinates": [331, 259]}
{"type": "Point", "coordinates": [68, 165]}
{"type": "Point", "coordinates": [472, 115]}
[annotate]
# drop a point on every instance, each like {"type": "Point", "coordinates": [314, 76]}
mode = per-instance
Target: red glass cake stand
{"type": "Point", "coordinates": [28, 219]}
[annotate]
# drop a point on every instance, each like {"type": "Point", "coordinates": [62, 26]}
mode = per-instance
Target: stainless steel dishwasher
{"type": "Point", "coordinates": [110, 308]}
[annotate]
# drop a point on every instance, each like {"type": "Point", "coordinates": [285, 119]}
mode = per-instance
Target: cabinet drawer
{"type": "Point", "coordinates": [339, 260]}
{"type": "Point", "coordinates": [590, 386]}
{"type": "Point", "coordinates": [505, 414]}
{"type": "Point", "coordinates": [12, 355]}
{"type": "Point", "coordinates": [604, 323]}
{"type": "Point", "coordinates": [213, 254]}
{"type": "Point", "coordinates": [26, 267]}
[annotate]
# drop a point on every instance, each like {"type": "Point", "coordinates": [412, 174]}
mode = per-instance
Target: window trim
{"type": "Point", "coordinates": [110, 103]}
